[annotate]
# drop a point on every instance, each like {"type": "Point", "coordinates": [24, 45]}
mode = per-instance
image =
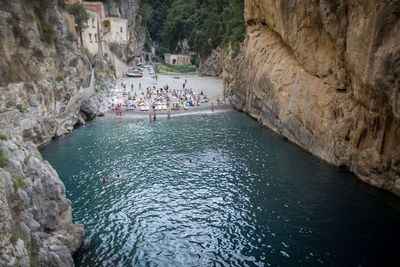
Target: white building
{"type": "Point", "coordinates": [90, 36]}
{"type": "Point", "coordinates": [177, 59]}
{"type": "Point", "coordinates": [102, 29]}
{"type": "Point", "coordinates": [115, 30]}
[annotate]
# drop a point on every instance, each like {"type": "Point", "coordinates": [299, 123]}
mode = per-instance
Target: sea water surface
{"type": "Point", "coordinates": [262, 202]}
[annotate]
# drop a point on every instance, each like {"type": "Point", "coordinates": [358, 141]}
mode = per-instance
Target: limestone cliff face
{"type": "Point", "coordinates": [325, 74]}
{"type": "Point", "coordinates": [46, 88]}
{"type": "Point", "coordinates": [213, 65]}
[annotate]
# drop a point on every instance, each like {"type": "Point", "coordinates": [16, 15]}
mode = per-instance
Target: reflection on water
{"type": "Point", "coordinates": [261, 202]}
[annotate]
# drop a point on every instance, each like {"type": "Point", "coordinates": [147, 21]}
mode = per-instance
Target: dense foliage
{"type": "Point", "coordinates": [205, 24]}
{"type": "Point", "coordinates": [80, 15]}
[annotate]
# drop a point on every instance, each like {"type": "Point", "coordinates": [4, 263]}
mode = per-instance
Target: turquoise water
{"type": "Point", "coordinates": [262, 202]}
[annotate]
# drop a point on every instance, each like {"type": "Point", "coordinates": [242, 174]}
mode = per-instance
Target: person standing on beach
{"type": "Point", "coordinates": [212, 107]}
{"type": "Point", "coordinates": [168, 110]}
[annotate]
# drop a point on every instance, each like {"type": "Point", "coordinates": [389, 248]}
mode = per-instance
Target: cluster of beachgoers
{"type": "Point", "coordinates": [126, 98]}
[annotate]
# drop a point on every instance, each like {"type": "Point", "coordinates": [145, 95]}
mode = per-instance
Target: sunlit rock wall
{"type": "Point", "coordinates": [325, 75]}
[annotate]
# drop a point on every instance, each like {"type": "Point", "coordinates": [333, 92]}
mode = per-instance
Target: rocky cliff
{"type": "Point", "coordinates": [213, 65]}
{"type": "Point", "coordinates": [47, 86]}
{"type": "Point", "coordinates": [325, 75]}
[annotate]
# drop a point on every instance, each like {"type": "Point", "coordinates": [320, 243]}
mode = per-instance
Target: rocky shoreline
{"type": "Point", "coordinates": [35, 215]}
{"type": "Point", "coordinates": [203, 109]}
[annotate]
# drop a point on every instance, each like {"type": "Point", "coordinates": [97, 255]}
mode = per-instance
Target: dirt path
{"type": "Point", "coordinates": [120, 67]}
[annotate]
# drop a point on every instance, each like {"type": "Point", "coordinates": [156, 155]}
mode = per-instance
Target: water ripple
{"type": "Point", "coordinates": [262, 202]}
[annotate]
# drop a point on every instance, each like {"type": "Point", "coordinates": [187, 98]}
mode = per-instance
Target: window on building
{"type": "Point", "coordinates": [121, 30]}
{"type": "Point", "coordinates": [90, 37]}
{"type": "Point", "coordinates": [93, 23]}
{"type": "Point", "coordinates": [95, 38]}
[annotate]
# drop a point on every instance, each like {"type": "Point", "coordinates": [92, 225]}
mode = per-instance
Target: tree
{"type": "Point", "coordinates": [206, 24]}
{"type": "Point", "coordinates": [81, 17]}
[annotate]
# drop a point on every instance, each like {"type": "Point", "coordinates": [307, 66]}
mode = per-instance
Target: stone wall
{"type": "Point", "coordinates": [325, 74]}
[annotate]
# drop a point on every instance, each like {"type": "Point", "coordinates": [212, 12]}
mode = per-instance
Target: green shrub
{"type": "Point", "coordinates": [177, 69]}
{"type": "Point", "coordinates": [74, 62]}
{"type": "Point", "coordinates": [19, 181]}
{"type": "Point", "coordinates": [17, 30]}
{"type": "Point", "coordinates": [27, 158]}
{"type": "Point", "coordinates": [10, 104]}
{"type": "Point", "coordinates": [10, 20]}
{"type": "Point", "coordinates": [3, 159]}
{"type": "Point", "coordinates": [24, 41]}
{"type": "Point", "coordinates": [21, 108]}
{"type": "Point", "coordinates": [59, 77]}
{"type": "Point", "coordinates": [15, 235]}
{"type": "Point", "coordinates": [235, 51]}
{"type": "Point", "coordinates": [17, 57]}
{"type": "Point", "coordinates": [39, 157]}
{"type": "Point", "coordinates": [47, 32]}
{"type": "Point", "coordinates": [113, 46]}
{"type": "Point", "coordinates": [90, 56]}
{"type": "Point", "coordinates": [37, 52]}
{"type": "Point", "coordinates": [61, 3]}
{"type": "Point", "coordinates": [33, 261]}
{"type": "Point", "coordinates": [3, 137]}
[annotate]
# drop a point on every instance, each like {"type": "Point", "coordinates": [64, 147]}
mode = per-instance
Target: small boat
{"type": "Point", "coordinates": [134, 74]}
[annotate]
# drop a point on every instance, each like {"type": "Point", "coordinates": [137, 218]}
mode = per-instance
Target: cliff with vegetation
{"type": "Point", "coordinates": [195, 26]}
{"type": "Point", "coordinates": [47, 87]}
{"type": "Point", "coordinates": [325, 75]}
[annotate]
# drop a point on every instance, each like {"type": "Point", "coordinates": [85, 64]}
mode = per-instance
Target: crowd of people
{"type": "Point", "coordinates": [153, 99]}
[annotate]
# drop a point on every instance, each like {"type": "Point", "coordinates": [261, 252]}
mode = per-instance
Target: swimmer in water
{"type": "Point", "coordinates": [118, 176]}
{"type": "Point", "coordinates": [213, 158]}
{"type": "Point", "coordinates": [105, 181]}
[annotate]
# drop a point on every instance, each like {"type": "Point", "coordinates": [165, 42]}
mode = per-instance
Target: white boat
{"type": "Point", "coordinates": [134, 74]}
